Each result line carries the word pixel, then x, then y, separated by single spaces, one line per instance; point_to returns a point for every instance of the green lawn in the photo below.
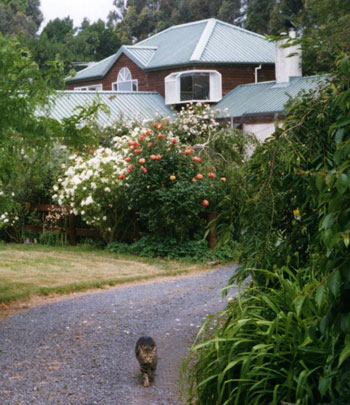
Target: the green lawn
pixel 27 270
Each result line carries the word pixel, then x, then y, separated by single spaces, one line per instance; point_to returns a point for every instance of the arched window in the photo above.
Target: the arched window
pixel 124 81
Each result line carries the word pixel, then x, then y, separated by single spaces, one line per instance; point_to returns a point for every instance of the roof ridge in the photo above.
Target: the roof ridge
pixel 241 29
pixel 105 92
pixel 174 27
pixel 141 46
pixel 254 84
pixel 204 39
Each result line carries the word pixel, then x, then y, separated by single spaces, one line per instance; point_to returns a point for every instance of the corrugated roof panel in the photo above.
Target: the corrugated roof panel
pixel 264 97
pixel 230 44
pixel 98 70
pixel 143 54
pixel 175 45
pixel 130 105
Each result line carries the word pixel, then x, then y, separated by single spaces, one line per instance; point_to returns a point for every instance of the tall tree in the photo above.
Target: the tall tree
pixel 258 16
pixel 95 41
pixel 325 33
pixel 20 17
pixel 60 39
pixel 231 11
pixel 139 19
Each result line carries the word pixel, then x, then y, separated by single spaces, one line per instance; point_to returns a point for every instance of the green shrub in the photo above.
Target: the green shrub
pixel 52 238
pixel 167 247
pixel 287 338
pixel 268 346
pixel 170 187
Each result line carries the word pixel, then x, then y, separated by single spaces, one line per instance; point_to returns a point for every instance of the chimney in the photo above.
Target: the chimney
pixel 285 66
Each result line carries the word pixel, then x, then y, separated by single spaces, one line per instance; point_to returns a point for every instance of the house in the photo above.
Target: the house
pixel 211 61
pixel 258 107
pixel 198 61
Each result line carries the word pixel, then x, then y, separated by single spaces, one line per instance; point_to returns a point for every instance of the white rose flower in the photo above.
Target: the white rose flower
pixel 89 200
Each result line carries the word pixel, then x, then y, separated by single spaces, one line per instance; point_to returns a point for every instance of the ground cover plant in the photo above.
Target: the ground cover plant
pixel 287 337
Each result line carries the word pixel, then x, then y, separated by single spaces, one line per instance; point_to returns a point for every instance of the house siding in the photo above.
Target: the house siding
pixel 232 75
pixel 111 76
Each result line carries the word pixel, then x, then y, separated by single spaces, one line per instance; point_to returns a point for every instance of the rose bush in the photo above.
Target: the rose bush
pixel 91 188
pixel 196 122
pixel 167 183
pixel 148 172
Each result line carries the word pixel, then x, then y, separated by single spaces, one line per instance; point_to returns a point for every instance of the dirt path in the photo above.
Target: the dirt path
pixel 81 350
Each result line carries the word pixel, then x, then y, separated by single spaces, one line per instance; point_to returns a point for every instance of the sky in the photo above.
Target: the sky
pixel 75 9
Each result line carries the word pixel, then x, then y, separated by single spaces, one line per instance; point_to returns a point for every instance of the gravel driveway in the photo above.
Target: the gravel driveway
pixel 81 350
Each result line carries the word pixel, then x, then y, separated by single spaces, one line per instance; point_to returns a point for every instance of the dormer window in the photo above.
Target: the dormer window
pixel 124 81
pixel 192 86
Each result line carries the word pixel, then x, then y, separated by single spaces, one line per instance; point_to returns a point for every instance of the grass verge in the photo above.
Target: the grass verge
pixel 27 270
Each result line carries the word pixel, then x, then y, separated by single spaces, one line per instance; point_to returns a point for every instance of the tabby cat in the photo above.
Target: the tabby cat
pixel 146 354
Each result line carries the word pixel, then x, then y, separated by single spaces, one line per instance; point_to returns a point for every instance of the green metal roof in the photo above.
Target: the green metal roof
pixel 95 71
pixel 227 43
pixel 264 97
pixel 130 105
pixel 175 45
pixel 141 54
pixel 202 42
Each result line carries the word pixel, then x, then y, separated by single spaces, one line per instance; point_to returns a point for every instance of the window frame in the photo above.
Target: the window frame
pixel 134 86
pixel 88 88
pixel 172 84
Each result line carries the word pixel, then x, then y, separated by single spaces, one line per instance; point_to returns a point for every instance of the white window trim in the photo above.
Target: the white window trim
pixel 125 72
pixel 116 85
pixel 97 87
pixel 176 76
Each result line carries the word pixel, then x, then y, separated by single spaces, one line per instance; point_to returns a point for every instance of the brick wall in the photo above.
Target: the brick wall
pixel 232 76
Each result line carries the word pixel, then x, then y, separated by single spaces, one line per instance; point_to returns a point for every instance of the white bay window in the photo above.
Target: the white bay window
pixel 192 86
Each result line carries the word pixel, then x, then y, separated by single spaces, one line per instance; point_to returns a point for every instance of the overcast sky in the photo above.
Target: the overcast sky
pixel 75 9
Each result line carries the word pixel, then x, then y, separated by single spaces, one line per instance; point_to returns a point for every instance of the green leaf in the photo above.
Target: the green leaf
pixel 319 295
pixel 307 341
pixel 324 384
pixel 345 352
pixel 342 183
pixel 299 304
pixel 324 324
pixel 270 304
pixel 343 122
pixel 346 241
pixel 334 283
pixel 327 221
pixel 339 135
pixel 345 323
pixel 320 182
